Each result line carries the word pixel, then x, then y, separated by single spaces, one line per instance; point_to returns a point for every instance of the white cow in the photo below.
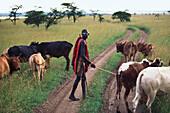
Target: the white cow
pixel 152 80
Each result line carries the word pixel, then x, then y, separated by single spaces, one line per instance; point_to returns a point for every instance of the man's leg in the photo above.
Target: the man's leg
pixel 72 97
pixel 83 84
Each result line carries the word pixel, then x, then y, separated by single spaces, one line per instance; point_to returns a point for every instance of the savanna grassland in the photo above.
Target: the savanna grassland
pixel 21 94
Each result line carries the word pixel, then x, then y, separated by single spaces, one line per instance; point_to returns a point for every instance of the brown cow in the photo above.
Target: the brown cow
pixel 8 65
pixel 146 49
pixel 128 77
pixel 128 49
pixel 37 62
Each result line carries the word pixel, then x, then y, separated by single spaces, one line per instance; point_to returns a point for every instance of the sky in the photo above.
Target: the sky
pixel 87 5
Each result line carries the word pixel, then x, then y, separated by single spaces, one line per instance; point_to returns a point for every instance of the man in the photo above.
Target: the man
pixel 80 63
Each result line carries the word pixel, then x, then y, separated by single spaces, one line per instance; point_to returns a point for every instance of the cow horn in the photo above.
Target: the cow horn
pixel 150 59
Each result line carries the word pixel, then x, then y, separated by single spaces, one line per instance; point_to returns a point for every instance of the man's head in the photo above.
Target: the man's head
pixel 85 34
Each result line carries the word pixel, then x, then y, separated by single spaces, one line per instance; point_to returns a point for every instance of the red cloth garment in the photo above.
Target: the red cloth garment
pixel 76 52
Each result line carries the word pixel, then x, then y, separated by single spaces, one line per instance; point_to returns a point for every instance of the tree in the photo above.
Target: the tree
pixel 53 17
pixel 100 17
pixel 123 16
pixel 168 11
pixel 35 17
pixel 94 13
pixel 72 11
pixel 13 14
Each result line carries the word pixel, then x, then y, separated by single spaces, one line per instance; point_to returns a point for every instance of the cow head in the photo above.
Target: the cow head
pixel 34 43
pixel 140 46
pixel 13 64
pixel 118 46
pixel 156 63
pixel 145 64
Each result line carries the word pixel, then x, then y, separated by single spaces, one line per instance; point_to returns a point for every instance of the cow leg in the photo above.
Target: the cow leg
pixel 39 73
pixel 68 62
pixel 136 101
pixel 125 99
pixel 47 61
pixel 151 97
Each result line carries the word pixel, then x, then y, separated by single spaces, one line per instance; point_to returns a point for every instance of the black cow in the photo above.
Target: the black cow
pixel 23 52
pixel 54 49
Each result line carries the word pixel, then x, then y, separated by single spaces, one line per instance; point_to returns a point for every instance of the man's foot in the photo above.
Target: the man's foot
pixel 73 98
pixel 84 97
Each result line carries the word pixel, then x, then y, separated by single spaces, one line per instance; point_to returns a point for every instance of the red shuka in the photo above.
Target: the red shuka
pixel 76 52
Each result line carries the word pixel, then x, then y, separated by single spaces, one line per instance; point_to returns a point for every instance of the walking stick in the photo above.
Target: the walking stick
pixel 106 71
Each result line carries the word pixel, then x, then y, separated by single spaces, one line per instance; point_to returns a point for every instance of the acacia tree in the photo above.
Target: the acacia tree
pixel 94 13
pixel 13 14
pixel 123 16
pixel 72 11
pixel 35 17
pixel 53 17
pixel 100 17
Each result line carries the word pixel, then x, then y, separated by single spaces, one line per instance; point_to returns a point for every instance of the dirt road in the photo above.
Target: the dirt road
pixel 110 103
pixel 58 101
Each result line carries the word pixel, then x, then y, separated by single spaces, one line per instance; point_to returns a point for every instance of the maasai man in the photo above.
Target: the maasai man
pixel 80 63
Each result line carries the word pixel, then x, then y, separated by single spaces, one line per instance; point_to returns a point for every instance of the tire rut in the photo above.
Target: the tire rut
pixel 58 101
pixel 110 102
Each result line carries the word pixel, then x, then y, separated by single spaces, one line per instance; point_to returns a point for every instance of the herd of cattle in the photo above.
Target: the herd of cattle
pixel 148 76
pixel 35 53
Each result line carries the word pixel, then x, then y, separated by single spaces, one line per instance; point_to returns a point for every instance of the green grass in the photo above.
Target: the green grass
pixel 21 93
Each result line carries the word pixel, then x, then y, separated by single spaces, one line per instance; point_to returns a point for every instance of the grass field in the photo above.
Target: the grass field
pixel 21 94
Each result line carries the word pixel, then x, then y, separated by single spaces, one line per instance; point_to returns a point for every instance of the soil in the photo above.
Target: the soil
pixel 110 102
pixel 58 101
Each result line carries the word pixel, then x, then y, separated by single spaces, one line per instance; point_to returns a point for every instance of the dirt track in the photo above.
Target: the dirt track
pixel 110 103
pixel 58 101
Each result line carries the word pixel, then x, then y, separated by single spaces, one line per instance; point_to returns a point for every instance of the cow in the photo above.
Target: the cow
pixel 127 75
pixel 37 62
pixel 22 52
pixel 151 82
pixel 8 65
pixel 54 49
pixel 146 49
pixel 128 49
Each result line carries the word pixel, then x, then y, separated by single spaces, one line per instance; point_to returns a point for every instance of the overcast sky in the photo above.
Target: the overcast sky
pixel 102 5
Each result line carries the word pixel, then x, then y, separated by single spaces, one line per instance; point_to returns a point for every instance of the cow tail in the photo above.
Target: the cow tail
pixel 119 83
pixel 138 84
pixel 36 62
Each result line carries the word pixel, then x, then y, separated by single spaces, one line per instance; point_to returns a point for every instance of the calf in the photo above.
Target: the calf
pixel 128 74
pixel 23 52
pixel 128 49
pixel 146 49
pixel 54 49
pixel 8 65
pixel 37 62
pixel 152 82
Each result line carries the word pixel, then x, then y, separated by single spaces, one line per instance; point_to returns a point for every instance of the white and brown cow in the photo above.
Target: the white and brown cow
pixel 8 65
pixel 127 75
pixel 37 63
pixel 152 81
